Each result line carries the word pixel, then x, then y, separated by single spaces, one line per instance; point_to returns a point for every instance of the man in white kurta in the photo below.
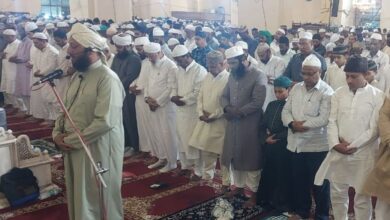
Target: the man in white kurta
pixel 284 50
pixel 189 78
pixel 273 67
pixel 335 75
pixel 44 60
pixel 137 88
pixel 209 133
pixel 9 68
pixel 190 37
pixel 353 140
pixel 162 118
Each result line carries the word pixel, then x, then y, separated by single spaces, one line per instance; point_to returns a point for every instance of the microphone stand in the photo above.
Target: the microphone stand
pixel 99 170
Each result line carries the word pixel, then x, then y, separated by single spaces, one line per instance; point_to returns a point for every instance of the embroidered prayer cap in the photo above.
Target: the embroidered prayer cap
pixel 10 32
pixel 122 39
pixel 152 48
pixel 179 50
pixel 376 36
pixel 356 64
pixel 39 35
pixel 140 41
pixel 283 82
pixel 242 44
pixel 372 65
pixel 30 26
pixel 157 32
pixel 173 41
pixel 87 37
pixel 234 51
pixel 340 50
pixel 312 60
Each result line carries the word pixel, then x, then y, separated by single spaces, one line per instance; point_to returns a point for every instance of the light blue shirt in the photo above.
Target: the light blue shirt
pixel 313 107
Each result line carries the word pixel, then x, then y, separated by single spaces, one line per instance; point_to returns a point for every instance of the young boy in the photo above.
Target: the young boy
pixel 335 75
pixel 274 189
pixel 371 73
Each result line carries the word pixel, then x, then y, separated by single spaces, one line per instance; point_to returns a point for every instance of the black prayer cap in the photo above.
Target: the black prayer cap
pixel 356 64
pixel 316 37
pixel 372 66
pixel 340 49
pixel 284 40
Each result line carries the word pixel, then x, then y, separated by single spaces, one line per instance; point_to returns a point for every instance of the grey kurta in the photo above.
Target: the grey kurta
pixel 242 145
pixel 94 100
pixel 128 69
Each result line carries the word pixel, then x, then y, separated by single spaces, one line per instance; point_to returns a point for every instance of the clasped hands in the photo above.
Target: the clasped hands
pixel 205 117
pixel 297 126
pixel 59 141
pixel 152 103
pixel 343 148
pixel 134 90
pixel 177 101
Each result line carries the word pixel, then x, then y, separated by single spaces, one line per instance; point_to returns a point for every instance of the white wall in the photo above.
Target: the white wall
pixel 31 6
pixel 385 14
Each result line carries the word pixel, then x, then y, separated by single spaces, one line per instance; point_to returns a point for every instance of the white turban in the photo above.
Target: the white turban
pixel 9 32
pixel 62 24
pixel 234 52
pixel 128 26
pixel 122 39
pixel 111 31
pixel 173 41
pixel 86 37
pixel 242 44
pixel 140 41
pixel 376 36
pixel 166 26
pixel 40 35
pixel 130 32
pixel 30 26
pixel 300 30
pixel 152 48
pixel 306 35
pixel 190 27
pixel 157 32
pixel 207 30
pixel 312 60
pixel 282 31
pixel 179 50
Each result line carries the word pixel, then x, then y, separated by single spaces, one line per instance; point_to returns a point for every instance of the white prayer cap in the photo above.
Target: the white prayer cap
pixel 262 47
pixel 140 41
pixel 95 27
pixel 152 48
pixel 364 31
pixel 111 31
pixel 353 30
pixel 173 41
pixel 50 26
pixel 128 26
pixel 30 26
pixel 376 36
pixel 114 25
pixel 329 46
pixel 190 27
pixel 62 24
pixel 130 32
pixel 312 60
pixel 40 35
pixel 72 20
pixel 341 29
pixel 9 32
pixel 295 40
pixel 179 50
pixel 122 39
pixel 40 23
pixel 86 37
pixel 242 44
pixel 328 34
pixel 300 30
pixel 149 25
pixel 375 30
pixel 234 51
pixel 321 30
pixel 218 33
pixel 157 32
pixel 174 31
pixel 207 30
pixel 166 26
pixel 282 31
pixel 334 38
pixel 306 35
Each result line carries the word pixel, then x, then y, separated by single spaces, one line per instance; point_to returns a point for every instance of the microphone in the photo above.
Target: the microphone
pixel 53 75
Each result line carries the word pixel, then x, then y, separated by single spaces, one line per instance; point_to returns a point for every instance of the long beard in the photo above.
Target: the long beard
pixel 123 54
pixel 239 72
pixel 82 63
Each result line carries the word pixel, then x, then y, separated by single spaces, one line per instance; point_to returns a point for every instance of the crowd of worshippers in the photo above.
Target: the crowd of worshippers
pixel 289 116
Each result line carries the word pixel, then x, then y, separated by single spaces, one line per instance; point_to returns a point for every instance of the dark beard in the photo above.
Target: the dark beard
pixel 142 56
pixel 123 54
pixel 82 63
pixel 239 72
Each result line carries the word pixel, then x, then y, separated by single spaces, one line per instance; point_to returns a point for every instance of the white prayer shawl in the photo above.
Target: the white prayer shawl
pixel 160 81
pixel 354 118
pixel 190 44
pixel 188 85
pixel 273 69
pixel 210 136
pixel 42 98
pixel 335 77
pixel 9 69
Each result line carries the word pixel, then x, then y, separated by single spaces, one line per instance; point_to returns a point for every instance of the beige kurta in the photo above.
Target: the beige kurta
pixel 94 100
pixel 210 136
